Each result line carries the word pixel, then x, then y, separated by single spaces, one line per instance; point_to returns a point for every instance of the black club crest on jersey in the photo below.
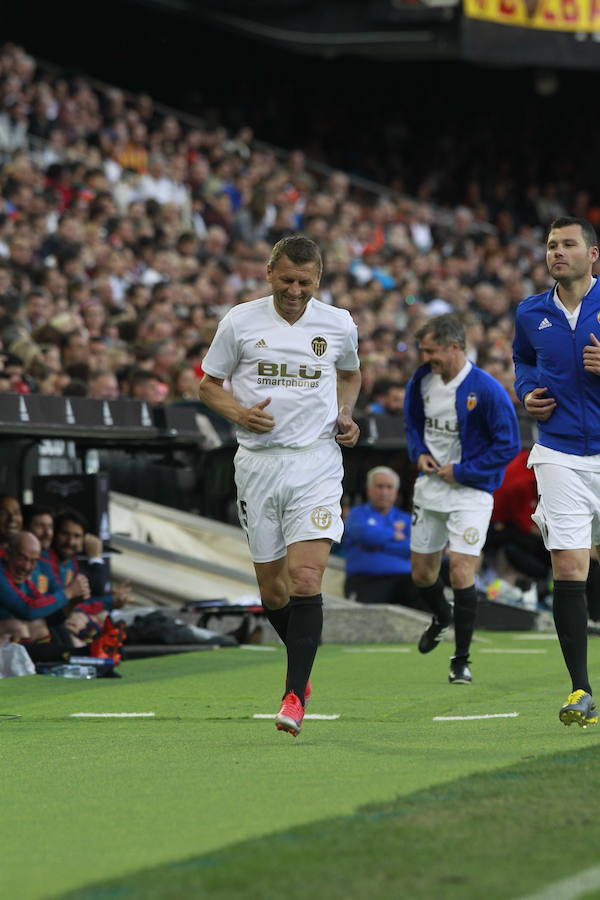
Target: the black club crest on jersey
pixel 319 346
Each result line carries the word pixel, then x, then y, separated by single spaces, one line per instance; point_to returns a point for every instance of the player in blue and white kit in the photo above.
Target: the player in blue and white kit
pixel 556 351
pixel 462 432
pixel 293 365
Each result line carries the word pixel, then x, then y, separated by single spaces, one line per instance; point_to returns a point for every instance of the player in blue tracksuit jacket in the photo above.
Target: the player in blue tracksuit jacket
pixel 462 432
pixel 556 351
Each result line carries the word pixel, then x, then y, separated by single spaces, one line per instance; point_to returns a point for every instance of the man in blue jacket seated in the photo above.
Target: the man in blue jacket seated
pixel 556 351
pixel 377 544
pixel 31 599
pixel 462 432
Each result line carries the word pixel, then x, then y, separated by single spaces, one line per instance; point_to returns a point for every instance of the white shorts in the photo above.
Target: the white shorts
pixel 285 496
pixel 464 530
pixel 568 510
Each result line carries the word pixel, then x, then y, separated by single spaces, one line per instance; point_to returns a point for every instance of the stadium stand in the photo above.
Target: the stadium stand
pixel 128 229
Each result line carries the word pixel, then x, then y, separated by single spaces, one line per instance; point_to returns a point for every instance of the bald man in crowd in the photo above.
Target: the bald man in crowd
pixel 24 606
pixel 34 608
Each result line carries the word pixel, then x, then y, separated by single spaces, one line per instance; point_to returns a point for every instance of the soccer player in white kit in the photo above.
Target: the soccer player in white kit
pixel 462 432
pixel 293 365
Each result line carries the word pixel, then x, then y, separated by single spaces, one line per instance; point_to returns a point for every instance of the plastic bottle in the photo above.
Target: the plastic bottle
pixel 71 671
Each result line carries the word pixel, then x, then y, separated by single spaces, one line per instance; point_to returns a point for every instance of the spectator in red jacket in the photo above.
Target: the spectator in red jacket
pixel 514 545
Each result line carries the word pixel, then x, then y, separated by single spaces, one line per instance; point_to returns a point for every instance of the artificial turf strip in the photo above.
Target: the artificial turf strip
pixel 102 799
pixel 498 835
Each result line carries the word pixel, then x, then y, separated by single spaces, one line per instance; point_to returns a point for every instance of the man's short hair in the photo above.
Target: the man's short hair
pixel 444 330
pixel 31 510
pixel 298 249
pixel 69 515
pixel 142 376
pixel 383 470
pixel 588 231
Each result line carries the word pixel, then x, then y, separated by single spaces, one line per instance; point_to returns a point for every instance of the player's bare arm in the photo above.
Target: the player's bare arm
pixel 591 355
pixel 348 387
pixel 538 406
pixel 213 394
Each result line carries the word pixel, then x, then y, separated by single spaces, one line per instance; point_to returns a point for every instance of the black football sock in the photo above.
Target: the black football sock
pixel 434 599
pixel 279 619
pixel 465 611
pixel 303 638
pixel 571 620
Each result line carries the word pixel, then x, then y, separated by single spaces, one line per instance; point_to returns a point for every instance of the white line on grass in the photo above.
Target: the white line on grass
pixel 258 647
pixel 467 718
pixel 541 636
pixel 110 715
pixel 307 716
pixel 511 650
pixel 569 888
pixel 376 650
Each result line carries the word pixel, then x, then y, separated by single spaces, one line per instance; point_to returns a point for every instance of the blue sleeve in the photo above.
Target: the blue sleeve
pixel 503 445
pixel 525 361
pixel 39 608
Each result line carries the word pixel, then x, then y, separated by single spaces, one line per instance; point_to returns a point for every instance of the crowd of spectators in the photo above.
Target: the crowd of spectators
pixel 127 232
pixel 56 590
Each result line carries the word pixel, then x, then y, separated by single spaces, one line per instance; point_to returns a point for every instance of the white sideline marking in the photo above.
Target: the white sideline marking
pixel 511 650
pixel 542 636
pixel 376 650
pixel 258 647
pixel 569 888
pixel 307 716
pixel 466 718
pixel 110 715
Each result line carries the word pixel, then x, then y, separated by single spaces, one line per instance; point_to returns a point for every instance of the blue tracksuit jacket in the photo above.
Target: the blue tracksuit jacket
pixel 487 426
pixel 369 542
pixel 547 353
pixel 36 598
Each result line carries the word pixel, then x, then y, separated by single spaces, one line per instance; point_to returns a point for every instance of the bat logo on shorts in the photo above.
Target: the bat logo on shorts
pixel 321 517
pixel 319 346
pixel 471 401
pixel 471 535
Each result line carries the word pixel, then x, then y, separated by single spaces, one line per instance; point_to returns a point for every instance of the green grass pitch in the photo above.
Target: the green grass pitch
pixel 409 793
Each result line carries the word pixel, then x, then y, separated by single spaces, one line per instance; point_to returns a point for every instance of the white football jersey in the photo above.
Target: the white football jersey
pixel 443 442
pixel 296 365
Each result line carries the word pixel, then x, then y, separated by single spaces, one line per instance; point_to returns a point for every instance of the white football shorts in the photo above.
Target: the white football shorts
pixel 568 510
pixel 285 496
pixel 464 530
